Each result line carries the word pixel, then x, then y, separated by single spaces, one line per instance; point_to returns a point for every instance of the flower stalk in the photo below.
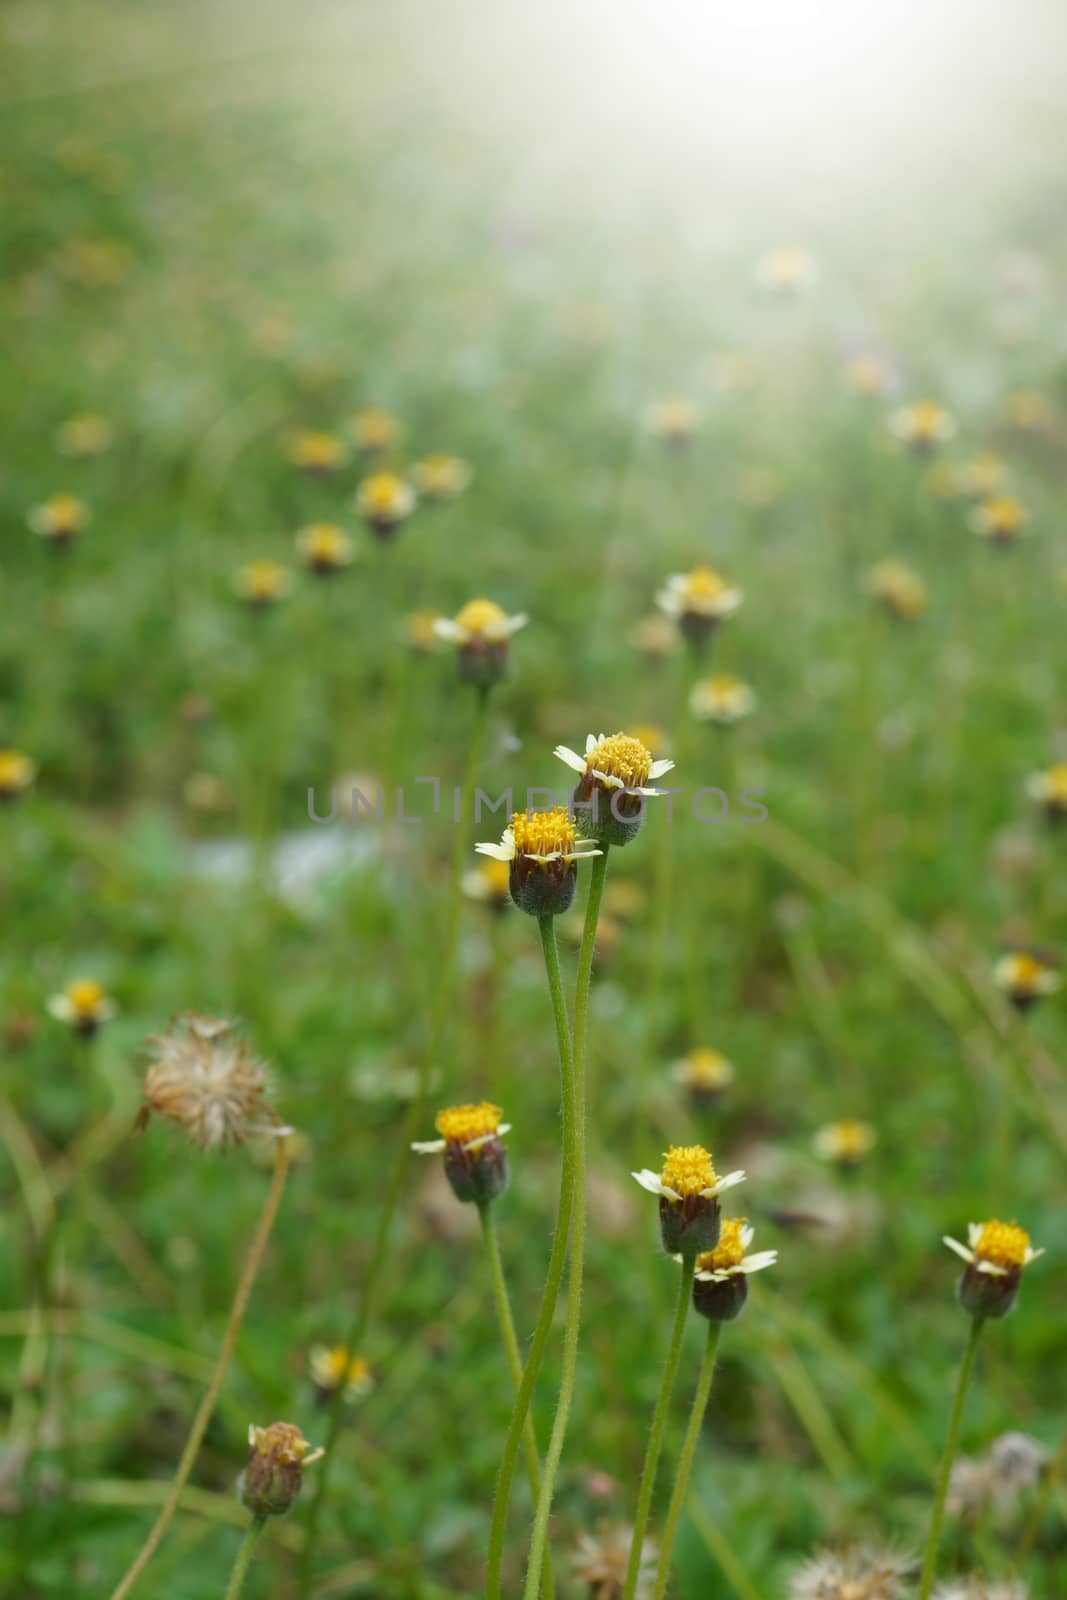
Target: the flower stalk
pixel 685 1464
pixel 222 1361
pixel 244 1557
pixel 659 1422
pixel 951 1445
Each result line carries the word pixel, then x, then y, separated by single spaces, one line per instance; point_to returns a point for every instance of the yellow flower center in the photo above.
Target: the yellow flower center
pixel 730 1250
pixel 280 1442
pixel 1026 971
pixel 325 542
pixel 706 1069
pixel 925 419
pixel 16 770
pixel 478 616
pixel 461 1124
pixel 382 491
pixel 1003 1243
pixel 703 584
pixel 331 1368
pixel 262 580
pixel 543 833
pixel 1055 782
pixel 85 995
pixel 850 1140
pixel 624 757
pixel 317 449
pixel 687 1169
pixel 63 511
pixel 1004 514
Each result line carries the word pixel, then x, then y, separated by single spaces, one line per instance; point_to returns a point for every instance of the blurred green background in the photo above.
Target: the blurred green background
pixel 518 231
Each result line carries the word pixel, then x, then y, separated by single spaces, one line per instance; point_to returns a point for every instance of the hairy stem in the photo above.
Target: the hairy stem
pixel 685 1463
pixel 244 1557
pixel 556 1262
pixel 951 1443
pixel 659 1423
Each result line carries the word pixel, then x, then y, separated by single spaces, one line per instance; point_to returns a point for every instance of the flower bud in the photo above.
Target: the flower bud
pixel 981 1294
pixel 476 1163
pixel 722 1299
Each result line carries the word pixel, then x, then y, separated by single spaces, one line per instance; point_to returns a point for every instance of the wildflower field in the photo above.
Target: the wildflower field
pixel 533 657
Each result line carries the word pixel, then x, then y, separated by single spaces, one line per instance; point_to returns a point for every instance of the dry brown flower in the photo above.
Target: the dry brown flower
pixel 209 1081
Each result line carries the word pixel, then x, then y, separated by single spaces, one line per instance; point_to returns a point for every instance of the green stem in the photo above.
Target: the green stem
pixel 539 1537
pixel 662 882
pixel 685 1464
pixel 659 1423
pixel 357 1329
pixel 222 1362
pixel 511 1348
pixel 244 1557
pixel 556 1262
pixel 951 1442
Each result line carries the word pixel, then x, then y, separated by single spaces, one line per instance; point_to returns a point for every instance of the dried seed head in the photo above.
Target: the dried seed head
pixel 600 1561
pixel 857 1574
pixel 208 1081
pixel 277 1456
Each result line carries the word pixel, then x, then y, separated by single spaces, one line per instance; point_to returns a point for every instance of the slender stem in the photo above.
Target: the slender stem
pixel 951 1442
pixel 572 1328
pixel 659 1422
pixel 556 1262
pixel 222 1362
pixel 685 1463
pixel 662 881
pixel 511 1347
pixel 357 1328
pixel 244 1557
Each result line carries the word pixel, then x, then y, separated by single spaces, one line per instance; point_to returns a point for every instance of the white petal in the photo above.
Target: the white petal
pixel 991 1269
pixel 519 620
pixel 757 1262
pixel 1032 1255
pixel 960 1249
pixel 607 780
pixel 650 1181
pixel 659 768
pixel 504 851
pixel 728 1182
pixel 974 1233
pixel 747 1235
pixel 445 628
pixel 592 740
pixel 60 1008
pixel 428 1147
pixel 571 757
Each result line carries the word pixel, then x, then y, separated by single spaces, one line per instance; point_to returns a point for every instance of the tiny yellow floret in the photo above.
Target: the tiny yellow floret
pixel 730 1250
pixel 481 616
pixel 544 833
pixel 622 756
pixel 85 996
pixel 687 1169
pixel 1005 1244
pixel 461 1124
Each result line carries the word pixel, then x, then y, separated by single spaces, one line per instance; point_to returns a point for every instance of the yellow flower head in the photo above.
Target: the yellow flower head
pixel 441 477
pixel 544 833
pixel 673 420
pixel 482 618
pixel 1025 976
pixel 1005 1244
pixel 333 1369
pixel 60 517
pixel 83 1005
pixel 922 425
pixel 688 1170
pixel 385 500
pixel 374 429
pixel 846 1141
pixel 262 583
pixel 704 1071
pixel 698 600
pixel 787 269
pixel 313 451
pixel 722 698
pixel 1001 518
pixel 1048 788
pixel 463 1124
pixel 324 546
pixel 730 1250
pixel 898 588
pixel 623 757
pixel 88 435
pixel 17 773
